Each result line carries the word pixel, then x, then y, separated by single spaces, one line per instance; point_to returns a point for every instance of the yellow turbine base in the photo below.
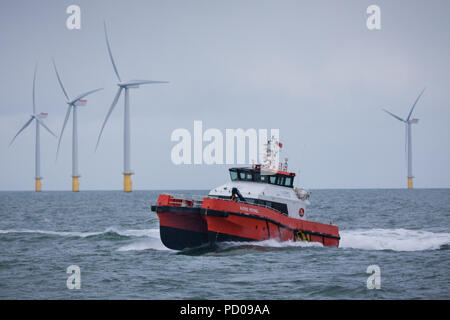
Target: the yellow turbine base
pixel 410 183
pixel 75 184
pixel 127 186
pixel 38 186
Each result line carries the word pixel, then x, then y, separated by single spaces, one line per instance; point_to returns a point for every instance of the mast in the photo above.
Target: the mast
pixel 410 175
pixel 75 175
pixel 127 187
pixel 37 159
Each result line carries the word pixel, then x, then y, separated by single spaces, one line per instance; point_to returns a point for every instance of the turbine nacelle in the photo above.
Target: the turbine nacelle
pixel 79 99
pixel 136 83
pixel 77 103
pixel 38 118
pixel 128 86
pixel 80 103
pixel 42 115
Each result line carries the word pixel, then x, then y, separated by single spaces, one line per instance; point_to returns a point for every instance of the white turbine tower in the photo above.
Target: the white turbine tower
pixel 123 85
pixel 73 104
pixel 39 122
pixel 408 143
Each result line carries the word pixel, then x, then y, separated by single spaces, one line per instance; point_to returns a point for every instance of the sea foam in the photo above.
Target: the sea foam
pixel 126 233
pixel 393 239
pixel 363 239
pixel 370 239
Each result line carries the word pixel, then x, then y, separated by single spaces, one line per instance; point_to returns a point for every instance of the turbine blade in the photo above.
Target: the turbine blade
pixel 396 117
pixel 43 124
pixel 116 98
pixel 110 54
pixel 410 113
pixel 139 82
pixel 69 109
pixel 59 80
pixel 34 88
pixel 81 96
pixel 21 129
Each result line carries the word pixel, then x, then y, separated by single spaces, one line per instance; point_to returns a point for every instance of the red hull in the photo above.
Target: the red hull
pixel 184 225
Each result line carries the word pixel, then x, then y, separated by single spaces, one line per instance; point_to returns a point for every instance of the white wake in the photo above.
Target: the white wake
pixel 363 239
pixel 393 239
pixel 370 239
pixel 152 241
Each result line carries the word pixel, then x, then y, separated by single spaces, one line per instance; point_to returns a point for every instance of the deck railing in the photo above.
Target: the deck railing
pixel 182 200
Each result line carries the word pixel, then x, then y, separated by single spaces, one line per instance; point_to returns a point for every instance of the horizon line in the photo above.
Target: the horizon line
pixel 208 189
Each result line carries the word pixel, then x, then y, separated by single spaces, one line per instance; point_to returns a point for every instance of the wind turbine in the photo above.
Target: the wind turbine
pixel 73 104
pixel 123 86
pixel 39 122
pixel 408 144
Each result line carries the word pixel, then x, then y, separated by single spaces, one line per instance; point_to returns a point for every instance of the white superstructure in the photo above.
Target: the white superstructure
pixel 269 184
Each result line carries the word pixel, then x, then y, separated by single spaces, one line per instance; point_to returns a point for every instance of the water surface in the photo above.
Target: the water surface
pixel 114 238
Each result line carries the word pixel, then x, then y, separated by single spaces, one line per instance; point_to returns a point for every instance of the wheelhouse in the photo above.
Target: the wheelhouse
pixel 280 178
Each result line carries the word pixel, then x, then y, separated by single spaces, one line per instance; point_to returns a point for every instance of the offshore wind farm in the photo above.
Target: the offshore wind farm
pixel 79 100
pixel 73 104
pixel 122 52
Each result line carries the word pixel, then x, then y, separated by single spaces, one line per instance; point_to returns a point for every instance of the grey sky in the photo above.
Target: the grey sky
pixel 310 68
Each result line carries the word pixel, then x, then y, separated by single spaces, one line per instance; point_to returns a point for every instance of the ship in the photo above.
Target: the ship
pixel 258 203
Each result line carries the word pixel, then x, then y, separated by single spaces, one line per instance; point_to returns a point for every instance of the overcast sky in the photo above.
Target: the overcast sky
pixel 309 68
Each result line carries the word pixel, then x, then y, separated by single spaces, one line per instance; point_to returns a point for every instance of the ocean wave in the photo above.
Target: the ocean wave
pixel 362 239
pixel 154 244
pixel 107 231
pixel 151 236
pixel 272 243
pixel 370 239
pixel 393 239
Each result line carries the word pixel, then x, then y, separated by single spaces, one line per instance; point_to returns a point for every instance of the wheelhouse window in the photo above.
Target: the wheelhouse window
pixel 244 174
pixel 288 182
pixel 233 175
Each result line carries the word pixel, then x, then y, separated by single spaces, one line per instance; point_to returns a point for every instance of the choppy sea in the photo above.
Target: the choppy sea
pixel 113 237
